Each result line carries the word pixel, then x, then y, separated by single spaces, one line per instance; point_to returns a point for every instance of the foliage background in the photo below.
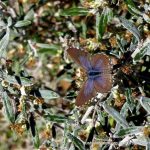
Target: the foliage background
pixel 39 82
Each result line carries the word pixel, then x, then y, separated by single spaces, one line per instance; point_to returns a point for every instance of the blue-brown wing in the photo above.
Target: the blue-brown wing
pixel 103 83
pixel 101 62
pixel 80 57
pixel 86 93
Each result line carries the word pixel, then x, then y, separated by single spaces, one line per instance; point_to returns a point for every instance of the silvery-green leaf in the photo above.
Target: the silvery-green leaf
pixel 18 80
pixel 129 99
pixel 13 34
pixel 77 142
pixel 84 29
pixel 120 44
pixel 130 131
pixel 36 139
pixel 123 112
pixel 2 24
pixel 29 15
pixel 9 21
pixel 89 110
pixel 116 115
pixel 140 52
pixel 101 117
pixel 140 141
pixel 148 143
pixel 55 118
pixel 145 102
pixel 116 53
pixel 134 10
pixel 48 94
pixel 48 48
pixel 125 141
pixel 22 23
pixel 146 18
pixel 130 2
pixel 131 27
pixel 4 42
pixel 102 20
pixel 77 11
pixel 1 88
pixel 10 112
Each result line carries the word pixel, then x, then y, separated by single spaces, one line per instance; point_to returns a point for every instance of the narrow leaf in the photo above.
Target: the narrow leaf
pixel 148 143
pixel 2 24
pixel 4 42
pixel 130 131
pixel 48 94
pixel 48 48
pixel 139 53
pixel 9 21
pixel 129 100
pixel 22 23
pixel 1 88
pixel 55 118
pixel 120 44
pixel 132 8
pixel 145 102
pixel 18 80
pixel 8 107
pixel 36 139
pixel 102 21
pixel 77 142
pixel 131 27
pixel 140 141
pixel 29 15
pixel 123 112
pixel 146 18
pixel 129 2
pixel 78 11
pixel 118 117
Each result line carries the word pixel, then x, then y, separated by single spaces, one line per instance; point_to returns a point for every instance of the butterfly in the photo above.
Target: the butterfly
pixel 98 70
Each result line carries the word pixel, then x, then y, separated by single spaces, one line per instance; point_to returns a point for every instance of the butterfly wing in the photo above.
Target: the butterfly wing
pixel 101 62
pixel 80 57
pixel 103 83
pixel 86 93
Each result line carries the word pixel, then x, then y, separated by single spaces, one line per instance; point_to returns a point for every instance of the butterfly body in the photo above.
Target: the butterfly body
pixel 98 71
pixel 93 73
